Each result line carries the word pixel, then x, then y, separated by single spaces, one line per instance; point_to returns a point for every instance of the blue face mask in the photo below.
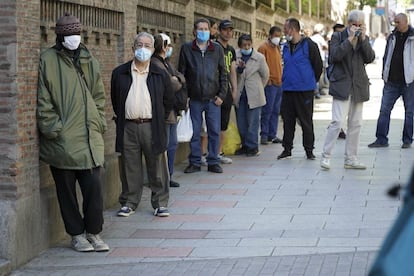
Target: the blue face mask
pixel 203 36
pixel 247 52
pixel 169 52
pixel 143 54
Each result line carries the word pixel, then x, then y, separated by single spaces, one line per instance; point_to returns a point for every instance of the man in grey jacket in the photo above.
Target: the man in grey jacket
pixel 398 75
pixel 349 51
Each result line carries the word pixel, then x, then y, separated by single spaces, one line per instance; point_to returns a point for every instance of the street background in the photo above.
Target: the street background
pixel 262 216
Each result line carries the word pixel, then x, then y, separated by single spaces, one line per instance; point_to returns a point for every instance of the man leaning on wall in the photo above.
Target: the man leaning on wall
pixel 71 121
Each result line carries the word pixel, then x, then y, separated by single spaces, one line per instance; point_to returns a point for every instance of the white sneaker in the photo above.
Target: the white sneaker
pixel 98 244
pixel 81 244
pixel 224 159
pixel 325 163
pixel 354 164
pixel 204 160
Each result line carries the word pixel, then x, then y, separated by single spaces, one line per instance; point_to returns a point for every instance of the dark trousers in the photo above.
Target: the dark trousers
pixel 138 143
pixel 298 106
pixel 92 206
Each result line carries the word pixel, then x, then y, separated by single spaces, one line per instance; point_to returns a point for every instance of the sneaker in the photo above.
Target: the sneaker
pixel 277 140
pixel 406 146
pixel 310 155
pixel 192 168
pixel 204 159
pixel 174 184
pixel 80 243
pixel 355 164
pixel 161 212
pixel 224 159
pixel 98 244
pixel 252 152
pixel 377 144
pixel 241 151
pixel 264 141
pixel 284 155
pixel 325 163
pixel 125 211
pixel 215 168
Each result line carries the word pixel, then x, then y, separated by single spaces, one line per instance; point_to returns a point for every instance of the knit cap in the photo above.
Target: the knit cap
pixel 68 25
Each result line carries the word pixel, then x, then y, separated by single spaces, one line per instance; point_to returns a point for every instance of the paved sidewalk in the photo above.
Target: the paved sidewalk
pixel 262 216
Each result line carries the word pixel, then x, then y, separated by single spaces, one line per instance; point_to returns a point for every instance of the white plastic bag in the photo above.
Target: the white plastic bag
pixel 184 127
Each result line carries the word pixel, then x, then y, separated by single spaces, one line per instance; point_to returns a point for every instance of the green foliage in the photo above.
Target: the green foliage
pixel 371 3
pixel 282 4
pixel 352 5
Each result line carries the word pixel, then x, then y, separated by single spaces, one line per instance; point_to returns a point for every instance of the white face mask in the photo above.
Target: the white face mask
pixel 71 42
pixel 275 40
pixel 143 54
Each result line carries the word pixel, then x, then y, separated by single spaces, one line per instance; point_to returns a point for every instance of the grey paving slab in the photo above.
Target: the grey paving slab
pixel 232 252
pixel 231 234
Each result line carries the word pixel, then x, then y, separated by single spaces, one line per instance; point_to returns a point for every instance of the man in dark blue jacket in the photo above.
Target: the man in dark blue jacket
pixel 202 63
pixel 302 69
pixel 142 98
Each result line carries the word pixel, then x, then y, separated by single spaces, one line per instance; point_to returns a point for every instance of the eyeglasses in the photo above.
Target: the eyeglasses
pixel 357 25
pixel 143 45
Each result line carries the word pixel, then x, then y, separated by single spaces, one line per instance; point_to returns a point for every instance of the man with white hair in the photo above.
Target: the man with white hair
pixel 142 99
pixel 349 51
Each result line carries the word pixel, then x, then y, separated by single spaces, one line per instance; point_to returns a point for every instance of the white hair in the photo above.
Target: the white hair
pixel 356 16
pixel 318 28
pixel 146 35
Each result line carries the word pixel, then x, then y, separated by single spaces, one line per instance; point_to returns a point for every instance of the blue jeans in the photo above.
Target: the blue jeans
pixel 270 112
pixel 172 145
pixel 212 115
pixel 391 93
pixel 248 124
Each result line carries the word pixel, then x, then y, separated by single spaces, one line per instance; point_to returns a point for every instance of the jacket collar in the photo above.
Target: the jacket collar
pixel 410 31
pixel 153 68
pixel 210 46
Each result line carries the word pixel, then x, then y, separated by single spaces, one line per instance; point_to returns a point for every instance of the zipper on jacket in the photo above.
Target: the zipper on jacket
pixel 203 63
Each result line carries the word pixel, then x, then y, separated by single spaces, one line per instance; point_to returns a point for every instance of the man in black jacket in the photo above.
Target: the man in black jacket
pixel 142 98
pixel 202 63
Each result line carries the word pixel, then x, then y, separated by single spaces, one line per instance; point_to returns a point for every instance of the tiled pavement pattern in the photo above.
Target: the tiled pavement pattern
pixel 262 216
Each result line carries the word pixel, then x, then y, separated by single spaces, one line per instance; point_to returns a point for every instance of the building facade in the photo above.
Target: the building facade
pixel 30 217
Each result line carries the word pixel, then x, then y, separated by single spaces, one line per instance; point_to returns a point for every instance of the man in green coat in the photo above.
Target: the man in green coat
pixel 71 121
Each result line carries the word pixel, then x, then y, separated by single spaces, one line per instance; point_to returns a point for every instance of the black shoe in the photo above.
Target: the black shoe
pixel 377 144
pixel 342 134
pixel 406 146
pixel 252 152
pixel 264 141
pixel 215 168
pixel 310 155
pixel 276 140
pixel 241 151
pixel 285 154
pixel 174 184
pixel 192 168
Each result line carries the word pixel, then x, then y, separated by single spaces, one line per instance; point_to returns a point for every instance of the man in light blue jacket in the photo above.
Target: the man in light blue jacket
pixel 398 75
